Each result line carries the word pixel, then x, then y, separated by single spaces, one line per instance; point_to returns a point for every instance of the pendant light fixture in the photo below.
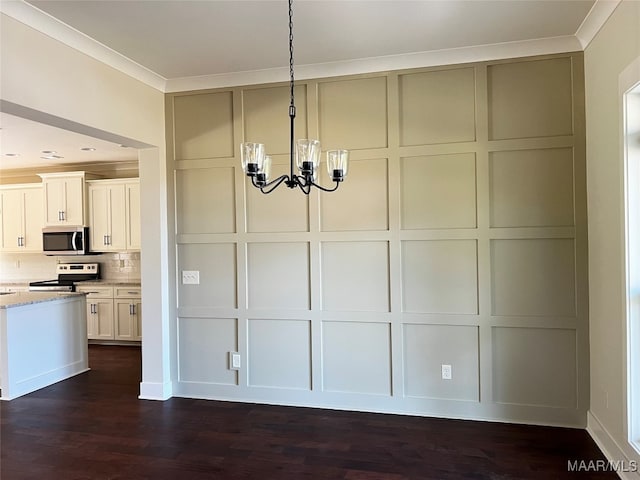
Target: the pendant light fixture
pixel 306 152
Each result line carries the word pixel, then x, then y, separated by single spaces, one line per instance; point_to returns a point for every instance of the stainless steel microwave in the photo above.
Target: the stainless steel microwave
pixel 65 240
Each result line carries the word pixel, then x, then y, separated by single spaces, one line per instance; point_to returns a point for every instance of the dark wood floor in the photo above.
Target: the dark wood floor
pixel 94 427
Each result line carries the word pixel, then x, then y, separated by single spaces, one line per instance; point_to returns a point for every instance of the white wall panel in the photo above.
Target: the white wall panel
pixel 437 107
pixel 438 191
pixel 205 200
pixel 355 276
pixel 203 126
pixel 440 276
pixel 531 98
pixel 216 264
pixel 203 346
pixel 533 277
pixel 353 113
pixel 347 209
pixel 356 357
pixel 535 366
pixel 531 188
pixel 280 353
pixel 427 348
pixel 278 275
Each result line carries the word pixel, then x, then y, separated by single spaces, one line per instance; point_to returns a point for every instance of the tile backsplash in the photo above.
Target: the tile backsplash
pixel 28 267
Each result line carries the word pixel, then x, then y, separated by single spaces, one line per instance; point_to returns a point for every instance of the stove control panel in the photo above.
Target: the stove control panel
pixel 73 268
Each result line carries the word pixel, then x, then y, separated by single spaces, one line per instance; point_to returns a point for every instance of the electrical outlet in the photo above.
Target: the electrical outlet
pixel 446 372
pixel 190 277
pixel 234 361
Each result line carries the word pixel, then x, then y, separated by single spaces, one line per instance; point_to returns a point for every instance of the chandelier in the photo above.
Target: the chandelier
pixel 256 164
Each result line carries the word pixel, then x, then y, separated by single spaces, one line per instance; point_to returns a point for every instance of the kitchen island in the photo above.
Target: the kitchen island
pixel 43 339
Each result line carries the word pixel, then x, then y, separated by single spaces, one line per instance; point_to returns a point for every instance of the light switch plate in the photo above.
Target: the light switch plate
pixel 190 277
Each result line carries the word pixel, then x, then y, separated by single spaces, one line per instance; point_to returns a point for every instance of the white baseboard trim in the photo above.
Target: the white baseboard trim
pixel 611 449
pixel 155 391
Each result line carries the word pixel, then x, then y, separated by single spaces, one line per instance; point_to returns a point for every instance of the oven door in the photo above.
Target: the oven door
pixel 65 240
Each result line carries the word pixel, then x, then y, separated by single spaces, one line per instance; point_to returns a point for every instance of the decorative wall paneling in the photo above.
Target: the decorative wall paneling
pixel 458 238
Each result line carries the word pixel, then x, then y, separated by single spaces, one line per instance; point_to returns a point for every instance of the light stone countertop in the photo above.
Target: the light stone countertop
pixel 19 299
pixel 110 283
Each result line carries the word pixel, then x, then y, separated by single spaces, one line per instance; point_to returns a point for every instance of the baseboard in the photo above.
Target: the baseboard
pixel 628 469
pixel 155 391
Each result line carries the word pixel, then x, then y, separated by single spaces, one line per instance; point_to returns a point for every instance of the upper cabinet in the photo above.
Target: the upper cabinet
pixel 64 198
pixel 21 218
pixel 114 215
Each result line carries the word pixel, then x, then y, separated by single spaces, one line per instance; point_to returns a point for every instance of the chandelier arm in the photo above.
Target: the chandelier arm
pixel 275 183
pixel 304 185
pixel 324 189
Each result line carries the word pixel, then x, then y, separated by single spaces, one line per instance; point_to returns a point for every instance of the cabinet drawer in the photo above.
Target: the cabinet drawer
pixel 96 292
pixel 128 292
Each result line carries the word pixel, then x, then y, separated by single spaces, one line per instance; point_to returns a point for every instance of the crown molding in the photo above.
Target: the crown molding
pixel 595 19
pixel 433 58
pixel 44 23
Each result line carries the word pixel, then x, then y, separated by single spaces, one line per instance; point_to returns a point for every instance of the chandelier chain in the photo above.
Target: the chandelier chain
pixel 291 52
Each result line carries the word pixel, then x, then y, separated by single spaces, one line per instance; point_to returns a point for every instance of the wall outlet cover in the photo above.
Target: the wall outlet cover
pixel 446 372
pixel 234 361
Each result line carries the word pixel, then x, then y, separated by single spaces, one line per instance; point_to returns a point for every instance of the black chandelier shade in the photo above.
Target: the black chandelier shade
pixel 305 153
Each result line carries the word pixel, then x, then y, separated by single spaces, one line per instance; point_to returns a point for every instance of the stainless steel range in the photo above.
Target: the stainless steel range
pixel 68 273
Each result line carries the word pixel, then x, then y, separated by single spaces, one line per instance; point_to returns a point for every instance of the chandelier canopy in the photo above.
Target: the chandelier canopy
pixel 305 153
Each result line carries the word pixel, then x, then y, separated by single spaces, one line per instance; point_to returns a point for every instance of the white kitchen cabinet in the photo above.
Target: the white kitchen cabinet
pixel 21 218
pixel 100 319
pixel 114 215
pixel 99 311
pixel 128 313
pixel 113 313
pixel 64 198
pixel 106 217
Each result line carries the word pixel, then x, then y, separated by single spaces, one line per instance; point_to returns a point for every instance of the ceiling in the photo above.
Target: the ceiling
pixel 26 144
pixel 182 44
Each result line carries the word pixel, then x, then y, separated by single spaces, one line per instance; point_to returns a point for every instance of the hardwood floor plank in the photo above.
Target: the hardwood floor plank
pixel 93 426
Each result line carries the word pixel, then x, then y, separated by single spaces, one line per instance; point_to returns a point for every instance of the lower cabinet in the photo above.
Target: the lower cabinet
pixel 100 319
pixel 113 313
pixel 128 314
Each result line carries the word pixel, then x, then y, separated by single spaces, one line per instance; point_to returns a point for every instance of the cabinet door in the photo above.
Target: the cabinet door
pixel 125 319
pixel 117 212
pixel 33 220
pixel 54 200
pixel 12 213
pixel 133 216
pixel 99 217
pixel 137 321
pixel 74 201
pixel 99 319
pixel 107 218
pixel 64 201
